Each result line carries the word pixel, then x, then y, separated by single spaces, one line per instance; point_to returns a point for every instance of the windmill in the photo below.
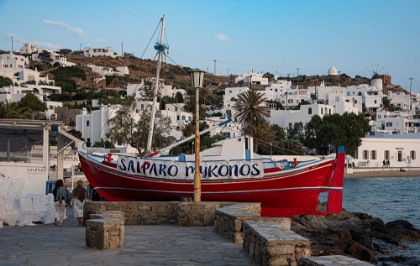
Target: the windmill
pixel 376 70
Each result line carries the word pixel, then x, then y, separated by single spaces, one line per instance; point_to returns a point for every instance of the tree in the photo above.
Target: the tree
pixel 104 144
pixel 312 131
pixel 336 130
pixel 296 133
pixel 13 110
pixel 4 81
pixel 45 56
pixel 65 51
pixel 179 98
pixel 250 108
pixel 33 103
pixel 147 92
pixel 261 133
pixel 130 126
pixel 269 76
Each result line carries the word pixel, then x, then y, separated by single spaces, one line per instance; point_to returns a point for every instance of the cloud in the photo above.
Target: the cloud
pixel 78 31
pixel 15 38
pixel 221 37
pixel 100 40
pixel 46 45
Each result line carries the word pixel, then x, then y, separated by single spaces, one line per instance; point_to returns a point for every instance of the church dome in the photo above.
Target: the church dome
pixel 333 71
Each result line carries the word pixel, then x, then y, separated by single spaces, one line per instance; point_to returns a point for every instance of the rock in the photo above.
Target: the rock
pixel 360 252
pixel 403 230
pixel 356 234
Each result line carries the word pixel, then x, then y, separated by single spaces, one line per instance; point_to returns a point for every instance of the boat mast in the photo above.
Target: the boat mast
pixel 160 47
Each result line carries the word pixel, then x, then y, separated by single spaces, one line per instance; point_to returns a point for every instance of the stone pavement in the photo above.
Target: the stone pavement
pixel 46 244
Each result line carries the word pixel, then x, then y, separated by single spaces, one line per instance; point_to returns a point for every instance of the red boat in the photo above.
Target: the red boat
pixel 229 171
pixel 282 191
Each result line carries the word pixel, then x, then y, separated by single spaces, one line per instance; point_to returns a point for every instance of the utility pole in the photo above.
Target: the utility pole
pixel 215 67
pixel 297 72
pixel 12 43
pixel 122 49
pixel 411 83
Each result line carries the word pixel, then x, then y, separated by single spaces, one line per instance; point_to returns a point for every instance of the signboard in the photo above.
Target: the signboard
pixel 185 170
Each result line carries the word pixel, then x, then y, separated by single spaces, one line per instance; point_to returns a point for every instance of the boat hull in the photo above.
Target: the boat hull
pixel 281 194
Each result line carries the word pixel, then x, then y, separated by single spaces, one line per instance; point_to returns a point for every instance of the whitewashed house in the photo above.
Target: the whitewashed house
pixel 13 61
pixel 55 57
pixel 136 89
pixel 253 78
pixel 107 51
pixel 28 48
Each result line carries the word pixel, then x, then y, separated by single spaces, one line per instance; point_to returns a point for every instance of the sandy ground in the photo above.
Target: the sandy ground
pixel 385 173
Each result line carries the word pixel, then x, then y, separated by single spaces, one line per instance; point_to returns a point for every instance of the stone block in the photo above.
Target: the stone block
pixel 105 233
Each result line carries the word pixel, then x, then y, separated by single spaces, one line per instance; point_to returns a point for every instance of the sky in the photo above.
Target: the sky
pixel 358 37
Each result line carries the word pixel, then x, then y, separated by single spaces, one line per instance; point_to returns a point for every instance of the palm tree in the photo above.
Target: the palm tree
pixel 250 108
pixel 252 112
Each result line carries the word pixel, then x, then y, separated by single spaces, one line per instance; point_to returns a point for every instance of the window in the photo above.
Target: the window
pixel 88 140
pixel 389 124
pixel 365 155
pixel 373 155
pixel 290 101
pixel 310 111
pixel 337 99
pixel 87 124
pixel 379 116
pixel 322 111
pixel 375 101
pixel 183 117
pixel 360 94
pixel 290 125
pixel 177 117
pixel 386 155
pixel 400 158
pixel 190 118
pixel 329 111
pixel 413 155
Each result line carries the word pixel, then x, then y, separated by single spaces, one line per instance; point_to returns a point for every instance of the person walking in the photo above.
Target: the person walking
pixel 79 197
pixel 60 195
pixel 387 162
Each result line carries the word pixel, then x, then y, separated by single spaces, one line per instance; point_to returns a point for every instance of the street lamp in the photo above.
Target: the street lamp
pixel 271 148
pixel 197 77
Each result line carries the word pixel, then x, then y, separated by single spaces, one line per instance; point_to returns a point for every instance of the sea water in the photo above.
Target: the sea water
pixel 387 198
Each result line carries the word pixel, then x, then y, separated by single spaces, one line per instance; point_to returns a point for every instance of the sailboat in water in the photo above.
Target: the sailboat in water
pixel 229 171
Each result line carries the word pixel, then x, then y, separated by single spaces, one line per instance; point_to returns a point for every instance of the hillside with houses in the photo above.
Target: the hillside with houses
pixel 78 86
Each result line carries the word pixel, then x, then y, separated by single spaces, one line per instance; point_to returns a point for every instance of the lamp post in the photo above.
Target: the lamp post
pixel 197 77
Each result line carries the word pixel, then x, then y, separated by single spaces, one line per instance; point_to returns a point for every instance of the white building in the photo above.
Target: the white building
pixel 55 57
pixel 400 149
pixel 13 61
pixel 332 71
pixel 399 99
pixel 15 93
pixel 101 70
pixel 253 78
pixel 230 97
pixel 230 130
pixel 94 125
pixel 287 118
pixel 29 48
pixel 136 89
pixel 107 51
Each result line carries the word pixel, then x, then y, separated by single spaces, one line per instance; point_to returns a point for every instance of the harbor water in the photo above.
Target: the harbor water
pixel 387 198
